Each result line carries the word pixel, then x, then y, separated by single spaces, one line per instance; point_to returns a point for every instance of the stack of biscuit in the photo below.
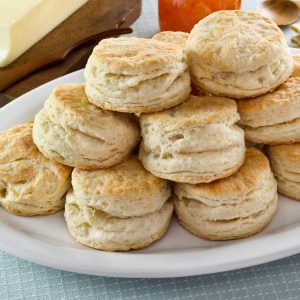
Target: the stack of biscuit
pixel 119 195
pixel 223 190
pixel 120 208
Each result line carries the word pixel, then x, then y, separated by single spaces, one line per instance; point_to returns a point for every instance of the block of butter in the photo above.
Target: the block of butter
pixel 25 22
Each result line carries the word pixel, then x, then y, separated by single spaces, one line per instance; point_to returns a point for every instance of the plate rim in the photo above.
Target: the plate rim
pixel 113 265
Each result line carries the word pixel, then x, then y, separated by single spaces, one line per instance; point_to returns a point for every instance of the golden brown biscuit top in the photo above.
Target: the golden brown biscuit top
pixel 16 143
pixel 255 169
pixel 199 111
pixel 71 100
pixel 126 179
pixel 20 159
pixel 273 106
pixel 235 41
pixel 174 37
pixel 289 152
pixel 136 55
pixel 68 105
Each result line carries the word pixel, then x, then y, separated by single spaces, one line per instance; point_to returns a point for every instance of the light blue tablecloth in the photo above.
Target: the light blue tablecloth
pixel 23 280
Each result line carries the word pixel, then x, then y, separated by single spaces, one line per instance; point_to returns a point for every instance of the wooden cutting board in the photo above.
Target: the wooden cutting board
pixel 90 19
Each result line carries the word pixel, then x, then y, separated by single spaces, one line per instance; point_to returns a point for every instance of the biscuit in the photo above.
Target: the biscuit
pixel 273 118
pixel 174 37
pixel 137 75
pixel 76 133
pixel 30 184
pixel 231 208
pixel 94 228
pixel 238 54
pixel 285 163
pixel 125 190
pixel 194 142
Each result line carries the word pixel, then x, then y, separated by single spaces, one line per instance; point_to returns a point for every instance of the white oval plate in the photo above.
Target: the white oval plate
pixel 46 241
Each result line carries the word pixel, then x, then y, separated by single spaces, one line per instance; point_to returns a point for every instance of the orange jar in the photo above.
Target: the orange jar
pixel 182 15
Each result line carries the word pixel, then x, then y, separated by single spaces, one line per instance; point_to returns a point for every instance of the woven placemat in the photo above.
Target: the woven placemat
pixel 23 280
